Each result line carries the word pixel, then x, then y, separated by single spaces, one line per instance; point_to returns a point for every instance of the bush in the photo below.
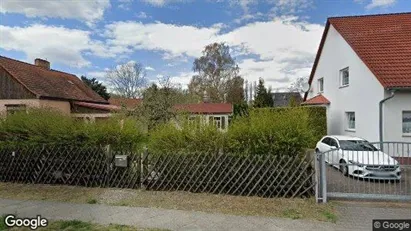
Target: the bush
pixel 42 126
pixel 267 131
pixel 185 136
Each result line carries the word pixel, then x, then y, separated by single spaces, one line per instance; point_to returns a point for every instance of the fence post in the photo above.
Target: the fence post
pixel 317 177
pixel 143 159
pixel 323 178
pixel 108 165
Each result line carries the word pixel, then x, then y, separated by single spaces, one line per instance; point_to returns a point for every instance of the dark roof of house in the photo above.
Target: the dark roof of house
pixel 48 83
pixel 283 99
pixel 126 102
pixel 206 108
pixel 382 42
pixel 317 100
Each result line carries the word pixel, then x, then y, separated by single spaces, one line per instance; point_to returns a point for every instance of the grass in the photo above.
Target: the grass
pixel 236 205
pixel 74 225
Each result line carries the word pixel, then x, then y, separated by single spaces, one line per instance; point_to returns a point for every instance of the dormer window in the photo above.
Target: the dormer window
pixel 344 77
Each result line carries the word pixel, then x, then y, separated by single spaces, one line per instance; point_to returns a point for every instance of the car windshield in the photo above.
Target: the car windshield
pixel 357 145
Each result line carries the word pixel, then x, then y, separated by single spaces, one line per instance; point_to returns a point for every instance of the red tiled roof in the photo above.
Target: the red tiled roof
pixel 49 83
pixel 98 106
pixel 383 43
pixel 206 108
pixel 128 103
pixel 317 100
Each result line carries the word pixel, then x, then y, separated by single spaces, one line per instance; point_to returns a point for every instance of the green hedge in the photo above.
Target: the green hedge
pixel 42 126
pixel 280 131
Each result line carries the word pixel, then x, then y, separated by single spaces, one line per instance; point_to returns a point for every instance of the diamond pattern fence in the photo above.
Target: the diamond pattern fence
pixel 246 175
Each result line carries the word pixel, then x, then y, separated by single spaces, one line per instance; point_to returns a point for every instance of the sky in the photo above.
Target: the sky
pixel 273 39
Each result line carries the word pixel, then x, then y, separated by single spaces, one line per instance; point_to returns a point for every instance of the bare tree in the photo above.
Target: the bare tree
pixel 128 80
pixel 298 85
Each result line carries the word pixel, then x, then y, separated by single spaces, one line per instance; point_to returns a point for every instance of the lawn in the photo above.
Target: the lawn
pixel 236 205
pixel 75 225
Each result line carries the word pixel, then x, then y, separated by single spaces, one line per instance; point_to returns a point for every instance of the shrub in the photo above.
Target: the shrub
pixel 267 131
pixel 43 126
pixel 185 136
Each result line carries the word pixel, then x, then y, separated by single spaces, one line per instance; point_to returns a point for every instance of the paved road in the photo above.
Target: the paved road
pixel 153 217
pixel 336 182
pixel 352 216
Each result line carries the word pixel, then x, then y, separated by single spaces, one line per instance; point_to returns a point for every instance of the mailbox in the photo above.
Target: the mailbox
pixel 121 161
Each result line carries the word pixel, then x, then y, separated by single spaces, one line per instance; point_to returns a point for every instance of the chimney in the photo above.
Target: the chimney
pixel 206 98
pixel 42 63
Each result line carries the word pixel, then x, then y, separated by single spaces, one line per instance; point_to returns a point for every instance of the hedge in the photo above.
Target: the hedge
pixel 43 126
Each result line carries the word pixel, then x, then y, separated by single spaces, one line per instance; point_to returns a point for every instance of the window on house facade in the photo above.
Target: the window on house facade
pixel 344 77
pixel 219 121
pixel 321 85
pixel 13 108
pixel 406 122
pixel 350 120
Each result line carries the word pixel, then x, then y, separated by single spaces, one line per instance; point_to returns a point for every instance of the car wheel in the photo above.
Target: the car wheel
pixel 344 167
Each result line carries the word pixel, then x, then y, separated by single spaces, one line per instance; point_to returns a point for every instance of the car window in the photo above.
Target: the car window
pixel 357 145
pixel 334 143
pixel 326 141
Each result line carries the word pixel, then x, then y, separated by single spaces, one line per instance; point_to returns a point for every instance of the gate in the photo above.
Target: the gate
pixel 369 171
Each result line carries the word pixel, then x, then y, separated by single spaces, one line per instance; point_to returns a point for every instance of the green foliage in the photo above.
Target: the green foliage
pixel 282 131
pixel 98 87
pixel 240 110
pixel 186 136
pixel 265 131
pixel 43 126
pixel 263 96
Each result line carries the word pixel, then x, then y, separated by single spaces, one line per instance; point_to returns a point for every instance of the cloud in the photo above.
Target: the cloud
pixel 291 6
pixel 57 44
pixel 282 48
pixel 380 3
pixel 96 74
pixel 161 3
pixel 142 15
pixel 182 78
pixel 89 11
pixel 148 68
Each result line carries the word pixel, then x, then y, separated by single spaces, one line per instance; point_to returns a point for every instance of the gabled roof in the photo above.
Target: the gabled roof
pixel 382 42
pixel 283 99
pixel 48 83
pixel 206 108
pixel 317 100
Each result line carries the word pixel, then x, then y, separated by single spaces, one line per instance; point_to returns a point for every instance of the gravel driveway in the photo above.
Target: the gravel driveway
pixel 338 183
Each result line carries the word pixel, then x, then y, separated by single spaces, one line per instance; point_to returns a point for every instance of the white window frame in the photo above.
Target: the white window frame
pixel 321 85
pixel 342 71
pixel 406 131
pixel 348 116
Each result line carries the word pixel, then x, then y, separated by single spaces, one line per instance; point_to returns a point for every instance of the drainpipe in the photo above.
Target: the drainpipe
pixel 381 117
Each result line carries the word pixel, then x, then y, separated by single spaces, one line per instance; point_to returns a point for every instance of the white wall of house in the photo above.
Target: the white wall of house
pixel 393 109
pixel 361 96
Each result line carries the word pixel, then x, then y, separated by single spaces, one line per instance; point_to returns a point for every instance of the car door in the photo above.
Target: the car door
pixel 324 147
pixel 334 154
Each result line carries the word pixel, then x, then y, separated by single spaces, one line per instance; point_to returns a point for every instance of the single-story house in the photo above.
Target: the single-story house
pixel 362 75
pixel 24 85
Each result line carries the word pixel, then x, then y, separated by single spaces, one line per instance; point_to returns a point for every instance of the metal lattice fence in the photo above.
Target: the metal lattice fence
pixel 250 175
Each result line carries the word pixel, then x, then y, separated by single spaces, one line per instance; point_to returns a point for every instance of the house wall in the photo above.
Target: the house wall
pixel 62 106
pixel 362 96
pixel 30 103
pixel 392 111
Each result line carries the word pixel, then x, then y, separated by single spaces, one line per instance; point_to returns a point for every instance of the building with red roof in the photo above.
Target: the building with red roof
pixel 24 85
pixel 362 74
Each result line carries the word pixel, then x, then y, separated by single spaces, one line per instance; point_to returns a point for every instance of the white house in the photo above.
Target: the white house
pixel 362 75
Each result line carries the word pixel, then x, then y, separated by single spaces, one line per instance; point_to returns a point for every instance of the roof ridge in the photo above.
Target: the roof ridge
pixel 369 15
pixel 34 65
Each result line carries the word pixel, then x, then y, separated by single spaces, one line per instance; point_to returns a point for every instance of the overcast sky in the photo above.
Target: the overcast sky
pixel 273 39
